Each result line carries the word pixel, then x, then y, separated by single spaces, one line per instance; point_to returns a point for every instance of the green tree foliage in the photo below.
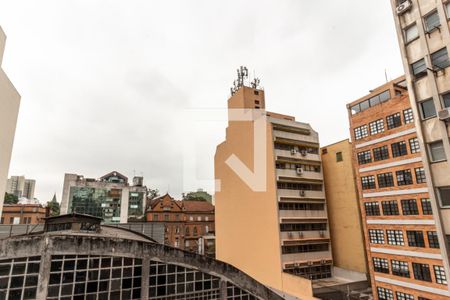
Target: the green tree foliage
pixel 54 207
pixel 11 199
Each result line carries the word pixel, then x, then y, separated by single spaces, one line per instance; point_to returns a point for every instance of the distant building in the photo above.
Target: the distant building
pixel 23 214
pixel 75 257
pixel 9 110
pixel 21 187
pixel 110 197
pixel 198 195
pixel 189 224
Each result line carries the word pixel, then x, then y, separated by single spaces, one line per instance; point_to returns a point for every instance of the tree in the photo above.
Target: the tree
pixel 11 199
pixel 53 207
pixel 199 195
pixel 152 194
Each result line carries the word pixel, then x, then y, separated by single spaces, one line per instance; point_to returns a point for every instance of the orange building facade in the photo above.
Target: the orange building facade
pixel 189 224
pixel 403 248
pixel 23 214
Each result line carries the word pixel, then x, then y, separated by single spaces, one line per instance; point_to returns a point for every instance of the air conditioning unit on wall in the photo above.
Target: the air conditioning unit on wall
pixel 444 115
pixel 404 7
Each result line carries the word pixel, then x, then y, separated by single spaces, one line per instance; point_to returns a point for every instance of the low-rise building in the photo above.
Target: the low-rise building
pixel 23 214
pixel 189 223
pixel 110 197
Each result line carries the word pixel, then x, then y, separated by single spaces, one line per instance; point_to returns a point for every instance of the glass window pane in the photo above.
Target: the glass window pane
pixel 446 100
pixel 437 151
pixel 427 108
pixel 444 195
pixel 440 59
pixel 411 33
pixel 432 21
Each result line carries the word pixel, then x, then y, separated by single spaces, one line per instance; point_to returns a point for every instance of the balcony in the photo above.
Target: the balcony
pixel 293 174
pixel 322 214
pixel 296 194
pixel 305 256
pixel 296 155
pixel 304 235
pixel 295 136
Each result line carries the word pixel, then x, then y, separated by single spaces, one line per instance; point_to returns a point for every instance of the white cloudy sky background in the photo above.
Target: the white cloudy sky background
pixel 105 84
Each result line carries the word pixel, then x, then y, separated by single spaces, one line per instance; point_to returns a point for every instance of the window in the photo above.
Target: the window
pixel 440 59
pixel 444 195
pixel 385 294
pixel 420 175
pixel 194 232
pixel 395 237
pixel 372 208
pixel 433 241
pixel 409 207
pixel 399 149
pixel 380 153
pixel 385 180
pixel 361 132
pixel 364 157
pixel 432 21
pixel 437 152
pixel 400 268
pixel 427 109
pixel 339 156
pixel 376 236
pixel 166 217
pixel 155 217
pixel 380 265
pixel 426 206
pixel 411 33
pixel 187 231
pixel 403 296
pixel 439 273
pixel 421 272
pixel 376 127
pixel 419 68
pixel 408 116
pixel 446 98
pixel 404 177
pixel 414 145
pixel 390 208
pixel 415 238
pixel 368 182
pixel 393 121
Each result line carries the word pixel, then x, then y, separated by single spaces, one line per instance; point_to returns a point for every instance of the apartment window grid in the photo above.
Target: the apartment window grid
pixel 368 182
pixel 102 276
pixel 394 121
pixel 440 59
pixel 380 153
pixel 385 180
pixel 432 21
pixel 380 265
pixel 364 157
pixel 285 227
pixel 427 109
pixel 409 207
pixel 235 293
pixel 404 296
pixel 376 126
pixel 414 145
pixel 419 68
pixel 411 33
pixel 169 281
pixel 19 277
pixel 395 237
pixel 420 175
pixel 390 208
pixel 361 132
pixel 399 149
pixel 421 272
pixel 385 294
pixel 439 274
pixel 433 241
pixel 426 206
pixel 408 116
pixel 289 249
pixel 400 268
pixel 415 238
pixel 404 177
pixel 376 236
pixel 372 208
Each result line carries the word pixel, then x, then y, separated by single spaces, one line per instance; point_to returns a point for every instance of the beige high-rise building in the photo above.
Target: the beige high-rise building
pixel 423 33
pixel 9 110
pixel 21 187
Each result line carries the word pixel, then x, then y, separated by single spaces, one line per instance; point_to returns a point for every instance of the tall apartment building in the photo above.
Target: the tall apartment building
pixel 276 230
pixel 405 246
pixel 9 103
pixel 21 187
pixel 111 197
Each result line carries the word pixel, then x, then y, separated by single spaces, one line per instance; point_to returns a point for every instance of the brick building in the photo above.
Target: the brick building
pixel 189 224
pixel 23 214
pixel 404 254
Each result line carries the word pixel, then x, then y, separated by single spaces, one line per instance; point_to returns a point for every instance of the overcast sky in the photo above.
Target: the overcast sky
pixel 105 84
